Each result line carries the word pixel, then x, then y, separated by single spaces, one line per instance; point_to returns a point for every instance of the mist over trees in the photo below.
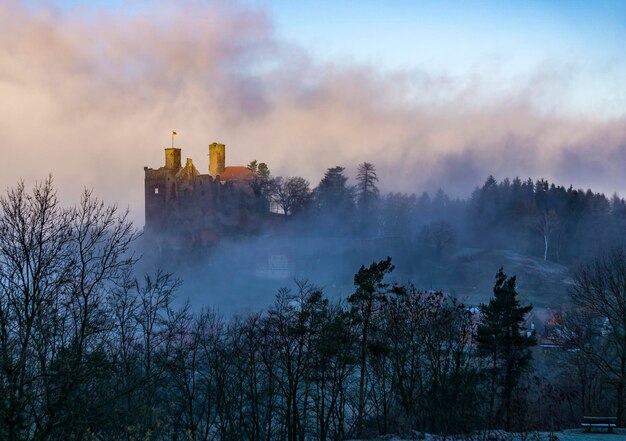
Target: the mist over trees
pixel 92 348
pixel 540 219
pixel 557 223
pixel 89 349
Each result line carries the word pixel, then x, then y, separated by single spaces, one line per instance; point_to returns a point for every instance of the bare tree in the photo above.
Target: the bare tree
pixel 59 268
pixel 333 364
pixel 291 328
pixel 547 223
pixel 438 235
pixel 249 384
pixel 290 194
pixel 35 257
pixel 152 316
pixel 600 291
pixel 580 331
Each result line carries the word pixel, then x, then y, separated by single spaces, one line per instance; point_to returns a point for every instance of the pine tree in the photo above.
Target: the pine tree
pixel 367 190
pixel 333 194
pixel 371 293
pixel 262 178
pixel 503 342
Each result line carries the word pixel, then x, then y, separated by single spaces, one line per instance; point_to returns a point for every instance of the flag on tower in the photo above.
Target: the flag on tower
pixel 174 133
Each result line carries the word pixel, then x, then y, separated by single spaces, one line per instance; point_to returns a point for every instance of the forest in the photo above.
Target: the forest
pixel 90 348
pixel 538 218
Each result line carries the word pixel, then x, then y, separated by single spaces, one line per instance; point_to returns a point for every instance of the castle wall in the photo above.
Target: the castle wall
pixel 159 190
pixel 182 203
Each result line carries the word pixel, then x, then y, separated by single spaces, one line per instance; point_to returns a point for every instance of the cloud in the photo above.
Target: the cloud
pixel 91 96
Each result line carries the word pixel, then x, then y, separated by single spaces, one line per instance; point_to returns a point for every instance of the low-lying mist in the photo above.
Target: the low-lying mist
pixel 536 230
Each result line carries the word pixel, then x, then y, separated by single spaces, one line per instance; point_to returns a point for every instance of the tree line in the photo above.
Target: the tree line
pixel 540 218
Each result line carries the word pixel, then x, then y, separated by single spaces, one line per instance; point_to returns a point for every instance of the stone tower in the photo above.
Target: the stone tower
pixel 172 159
pixel 160 187
pixel 217 159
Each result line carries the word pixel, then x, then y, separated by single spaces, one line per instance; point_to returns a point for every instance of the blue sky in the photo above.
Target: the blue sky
pixel 500 42
pixel 450 34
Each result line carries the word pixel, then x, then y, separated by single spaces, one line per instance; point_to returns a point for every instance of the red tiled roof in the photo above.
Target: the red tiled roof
pixel 236 173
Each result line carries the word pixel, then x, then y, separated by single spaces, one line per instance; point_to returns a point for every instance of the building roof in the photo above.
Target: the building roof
pixel 236 173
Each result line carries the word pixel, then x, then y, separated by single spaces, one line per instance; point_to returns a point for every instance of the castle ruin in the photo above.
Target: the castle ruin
pixel 185 205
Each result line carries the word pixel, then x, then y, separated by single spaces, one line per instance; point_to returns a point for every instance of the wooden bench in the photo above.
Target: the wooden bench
pixel 589 422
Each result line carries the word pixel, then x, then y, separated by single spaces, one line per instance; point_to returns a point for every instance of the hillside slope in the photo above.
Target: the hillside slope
pixel 469 274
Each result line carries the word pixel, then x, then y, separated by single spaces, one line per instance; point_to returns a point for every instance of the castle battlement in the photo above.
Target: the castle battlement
pixel 181 200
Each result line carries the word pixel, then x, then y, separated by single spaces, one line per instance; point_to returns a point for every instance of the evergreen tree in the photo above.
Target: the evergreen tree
pixel 366 188
pixel 503 342
pixel 371 293
pixel 262 179
pixel 333 194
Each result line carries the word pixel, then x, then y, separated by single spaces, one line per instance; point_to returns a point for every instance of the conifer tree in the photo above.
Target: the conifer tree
pixel 503 342
pixel 262 178
pixel 367 190
pixel 371 293
pixel 333 194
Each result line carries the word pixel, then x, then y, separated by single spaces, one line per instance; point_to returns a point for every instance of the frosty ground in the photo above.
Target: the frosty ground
pixel 565 435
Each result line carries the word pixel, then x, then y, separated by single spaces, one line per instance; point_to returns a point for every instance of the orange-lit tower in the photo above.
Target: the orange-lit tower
pixel 217 159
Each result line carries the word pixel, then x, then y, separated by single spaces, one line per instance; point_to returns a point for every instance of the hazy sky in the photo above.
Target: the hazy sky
pixel 433 93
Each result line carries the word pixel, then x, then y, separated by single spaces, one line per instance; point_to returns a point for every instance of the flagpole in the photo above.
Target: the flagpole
pixel 172 139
